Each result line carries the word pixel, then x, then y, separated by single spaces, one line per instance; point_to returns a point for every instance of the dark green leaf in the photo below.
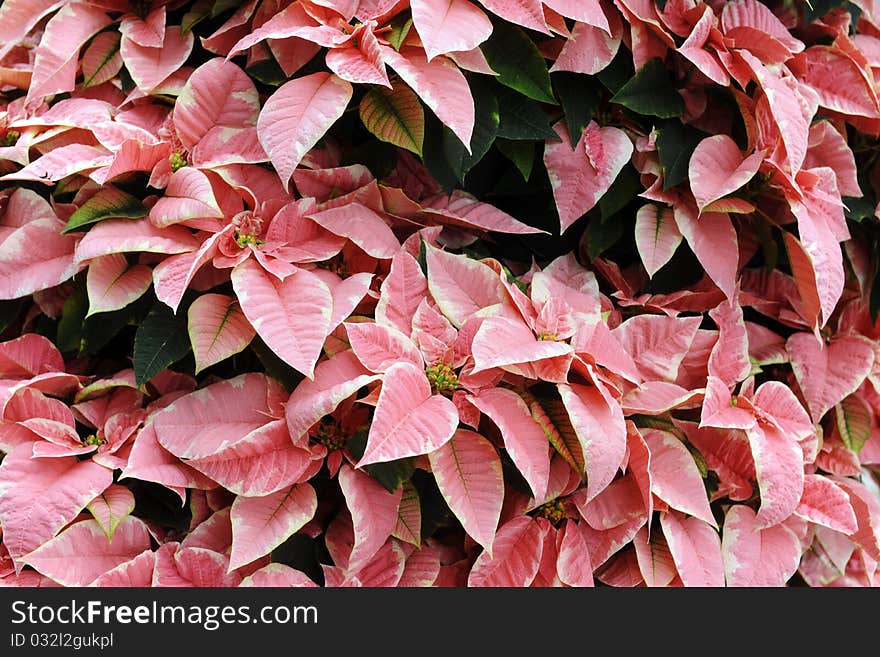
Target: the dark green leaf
pixel 521 117
pixel 158 504
pixel 858 208
pixel 267 70
pixel 651 92
pixel 71 322
pixel 108 203
pixel 379 157
pixel 9 311
pixel 521 153
pixel 816 9
pixel 602 235
pixel 400 26
pixel 390 474
pixel 579 98
pixel 518 62
pixel 675 144
pixel 623 190
pixel 275 367
pixel 616 74
pixel 300 551
pixel 160 341
pixel 201 10
pixel 485 129
pixel 99 330
pixel 661 4
pixel 224 5
pixel 434 155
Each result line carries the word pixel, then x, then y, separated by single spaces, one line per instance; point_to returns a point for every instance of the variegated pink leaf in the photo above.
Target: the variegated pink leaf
pixel 111 507
pixel 82 553
pixel 373 513
pixel 129 235
pixel 66 32
pixel 523 438
pixel 675 478
pixel 137 572
pixel 449 25
pixel 297 115
pixel 581 174
pixel 717 168
pixel 217 329
pixel 401 293
pixel 468 473
pixel 528 13
pixel 362 226
pixel 695 548
pixel 657 236
pixel 440 85
pixel 825 503
pixel 40 496
pixel 754 556
pixel 588 50
pixel 828 373
pixel 149 66
pixel 515 558
pixel 260 524
pixel 335 380
pixel 262 462
pixel 278 575
pixel 218 106
pixel 292 316
pixel 461 286
pixel 379 347
pixel 189 195
pixel 779 470
pixel 209 420
pixel 409 420
pixel 112 284
pixel 729 359
pixel 502 342
pixel 654 558
pixel 600 428
pixel 713 240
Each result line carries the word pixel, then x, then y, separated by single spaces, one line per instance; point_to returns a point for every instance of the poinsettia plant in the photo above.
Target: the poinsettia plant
pixel 439 293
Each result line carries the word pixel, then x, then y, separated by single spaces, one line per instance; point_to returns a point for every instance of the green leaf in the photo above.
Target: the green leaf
pixel 486 123
pixel 199 12
pixel 9 311
pixel 274 366
pixel 400 26
pixel 518 62
pixel 391 474
pixel 71 323
pixel 624 189
pixel 108 203
pixel 395 116
pixel 521 117
pixel 651 92
pixel 858 208
pixel 521 153
pixel 853 422
pixel 616 74
pixel 675 144
pixel 161 340
pixel 434 155
pixel 158 504
pixel 99 330
pixel 267 70
pixel 224 5
pixel 580 100
pixel 602 235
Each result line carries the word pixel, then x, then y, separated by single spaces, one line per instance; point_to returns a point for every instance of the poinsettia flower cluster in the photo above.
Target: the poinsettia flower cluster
pixel 439 293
